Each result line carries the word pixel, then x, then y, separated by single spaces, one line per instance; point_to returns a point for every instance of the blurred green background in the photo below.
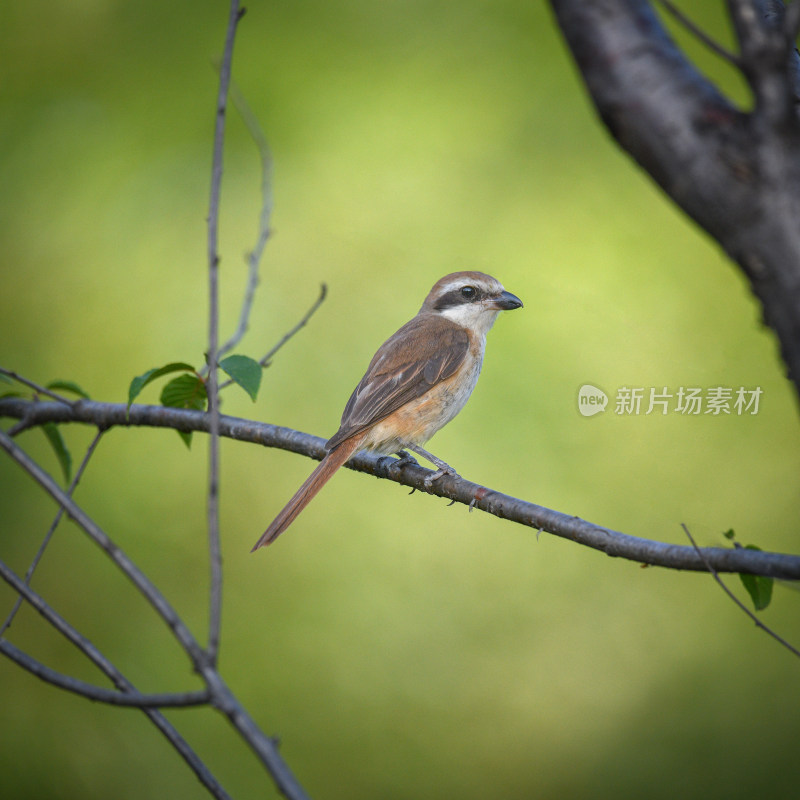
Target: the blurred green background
pixel 399 648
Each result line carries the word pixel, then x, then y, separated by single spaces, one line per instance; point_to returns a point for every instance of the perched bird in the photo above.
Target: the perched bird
pixel 419 379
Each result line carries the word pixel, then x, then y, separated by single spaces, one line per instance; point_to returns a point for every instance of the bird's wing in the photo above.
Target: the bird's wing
pixel 425 351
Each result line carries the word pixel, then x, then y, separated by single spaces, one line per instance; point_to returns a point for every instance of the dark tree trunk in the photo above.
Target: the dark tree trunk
pixel 736 173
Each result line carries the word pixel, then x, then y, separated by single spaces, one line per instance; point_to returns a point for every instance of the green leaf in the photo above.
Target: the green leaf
pixel 68 386
pixel 138 383
pixel 5 378
pixel 53 435
pixel 758 587
pixel 729 534
pixel 244 371
pixel 185 391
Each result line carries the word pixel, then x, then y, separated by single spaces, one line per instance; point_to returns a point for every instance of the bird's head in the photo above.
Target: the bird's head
pixel 470 299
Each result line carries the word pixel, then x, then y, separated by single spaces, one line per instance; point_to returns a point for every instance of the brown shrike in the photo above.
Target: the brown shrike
pixel 419 379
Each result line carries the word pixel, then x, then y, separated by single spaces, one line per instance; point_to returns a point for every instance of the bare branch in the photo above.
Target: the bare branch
pixel 266 749
pixel 611 542
pixel 40 552
pixel 735 599
pixel 204 661
pixel 214 546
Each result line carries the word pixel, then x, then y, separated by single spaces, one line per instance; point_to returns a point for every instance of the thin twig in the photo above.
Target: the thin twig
pixel 700 34
pixel 742 606
pixel 265 359
pixel 264 229
pixel 36 388
pixel 214 546
pixel 98 693
pixel 40 552
pixel 323 293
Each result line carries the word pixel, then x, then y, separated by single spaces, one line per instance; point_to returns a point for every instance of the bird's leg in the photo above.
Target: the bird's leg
pixel 442 467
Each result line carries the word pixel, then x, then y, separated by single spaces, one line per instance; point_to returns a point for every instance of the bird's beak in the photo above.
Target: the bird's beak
pixel 506 302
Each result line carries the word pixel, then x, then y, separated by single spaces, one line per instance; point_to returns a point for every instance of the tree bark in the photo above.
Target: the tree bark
pixel 734 172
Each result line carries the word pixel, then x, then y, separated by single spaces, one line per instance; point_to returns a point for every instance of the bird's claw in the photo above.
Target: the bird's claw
pixel 405 459
pixel 434 476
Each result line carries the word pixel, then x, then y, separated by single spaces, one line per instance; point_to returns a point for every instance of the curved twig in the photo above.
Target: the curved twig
pixel 742 606
pixel 99 693
pixel 144 585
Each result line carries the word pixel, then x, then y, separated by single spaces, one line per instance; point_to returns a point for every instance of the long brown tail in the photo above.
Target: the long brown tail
pixel 306 493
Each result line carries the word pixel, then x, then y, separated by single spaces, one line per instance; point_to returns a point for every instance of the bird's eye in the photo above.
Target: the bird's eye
pixel 469 292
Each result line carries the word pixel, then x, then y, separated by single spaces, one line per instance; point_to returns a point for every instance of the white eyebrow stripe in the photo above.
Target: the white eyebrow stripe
pixel 459 284
pixel 449 287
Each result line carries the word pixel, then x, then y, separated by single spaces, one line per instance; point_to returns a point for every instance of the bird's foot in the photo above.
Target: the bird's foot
pixel 405 459
pixel 442 467
pixel 445 469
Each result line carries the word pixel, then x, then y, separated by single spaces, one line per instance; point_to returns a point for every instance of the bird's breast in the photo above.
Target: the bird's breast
pixel 418 420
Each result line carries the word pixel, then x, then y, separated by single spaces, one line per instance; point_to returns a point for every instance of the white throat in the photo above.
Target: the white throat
pixel 478 317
